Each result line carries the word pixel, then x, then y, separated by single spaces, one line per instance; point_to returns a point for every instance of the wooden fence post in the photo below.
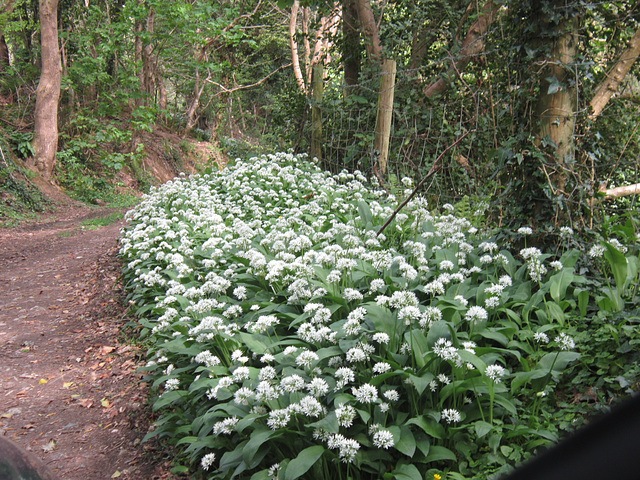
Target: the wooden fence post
pixel 317 80
pixel 385 114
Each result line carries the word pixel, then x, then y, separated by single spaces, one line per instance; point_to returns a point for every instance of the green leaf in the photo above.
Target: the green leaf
pixel 557 361
pixel 303 462
pixel 618 263
pixel 583 300
pixel 261 475
pixel 365 213
pixel 521 378
pixel 422 382
pixel 419 346
pixel 438 453
pixel 506 404
pixel 258 438
pixel 168 398
pixel 482 428
pixel 437 331
pixel 560 282
pixel 555 312
pixel 404 440
pixel 406 472
pixel 252 342
pixel 428 426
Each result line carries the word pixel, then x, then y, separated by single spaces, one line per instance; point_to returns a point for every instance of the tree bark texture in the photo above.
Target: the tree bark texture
pixel 148 67
pixel 293 42
pixel 352 51
pixel 4 54
pixel 370 31
pixel 611 83
pixel 48 91
pixel 473 45
pixel 556 107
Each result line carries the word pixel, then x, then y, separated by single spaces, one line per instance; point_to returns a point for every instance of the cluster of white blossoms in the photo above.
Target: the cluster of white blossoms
pixel 272 279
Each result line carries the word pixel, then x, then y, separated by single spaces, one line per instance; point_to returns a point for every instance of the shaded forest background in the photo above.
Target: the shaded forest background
pixel 545 94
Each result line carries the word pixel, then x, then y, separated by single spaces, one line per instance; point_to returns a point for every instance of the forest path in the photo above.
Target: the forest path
pixel 69 387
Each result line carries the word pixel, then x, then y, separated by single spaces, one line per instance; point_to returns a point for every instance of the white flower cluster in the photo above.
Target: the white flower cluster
pixel 290 306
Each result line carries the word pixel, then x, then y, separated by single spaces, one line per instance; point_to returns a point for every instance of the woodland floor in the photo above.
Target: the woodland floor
pixel 70 391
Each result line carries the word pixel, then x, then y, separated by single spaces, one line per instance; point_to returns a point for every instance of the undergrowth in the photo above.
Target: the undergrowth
pixel 291 337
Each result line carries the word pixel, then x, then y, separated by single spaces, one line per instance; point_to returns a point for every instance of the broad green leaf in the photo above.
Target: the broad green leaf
pixel 506 404
pixel 253 343
pixel 570 257
pixel 422 382
pixel 404 440
pixel 365 213
pixel 618 263
pixel 557 361
pixel 560 282
pixel 419 346
pixel 232 459
pixel 428 425
pixel 583 300
pixel 261 475
pixel 438 453
pixel 303 462
pixel 521 378
pixel 482 428
pixel 555 312
pixel 437 331
pixel 258 438
pixel 168 398
pixel 407 472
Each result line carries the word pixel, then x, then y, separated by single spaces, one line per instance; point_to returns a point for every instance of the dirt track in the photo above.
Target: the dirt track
pixel 69 387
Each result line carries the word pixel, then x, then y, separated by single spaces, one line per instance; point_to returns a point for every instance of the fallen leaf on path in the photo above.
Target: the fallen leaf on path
pixel 105 403
pixel 43 380
pixel 106 349
pixel 67 384
pixel 86 402
pixel 116 474
pixel 49 446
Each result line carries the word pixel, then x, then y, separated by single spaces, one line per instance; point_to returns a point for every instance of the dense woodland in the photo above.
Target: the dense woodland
pixel 545 92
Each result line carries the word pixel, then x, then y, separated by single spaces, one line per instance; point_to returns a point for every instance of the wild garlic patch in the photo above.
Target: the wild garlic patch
pixel 302 342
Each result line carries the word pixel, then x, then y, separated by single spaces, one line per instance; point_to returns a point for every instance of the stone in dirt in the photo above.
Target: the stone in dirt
pixel 18 464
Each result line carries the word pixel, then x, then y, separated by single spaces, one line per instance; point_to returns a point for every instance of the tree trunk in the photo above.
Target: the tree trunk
pixel 370 31
pixel 351 50
pixel 293 42
pixel 139 101
pixel 5 9
pixel 148 70
pixel 4 54
pixel 473 45
pixel 556 106
pixel 48 91
pixel 614 78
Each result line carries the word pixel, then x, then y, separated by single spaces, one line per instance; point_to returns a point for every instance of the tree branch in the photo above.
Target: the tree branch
pixel 617 192
pixel 614 78
pixel 473 45
pixel 244 87
pixel 434 168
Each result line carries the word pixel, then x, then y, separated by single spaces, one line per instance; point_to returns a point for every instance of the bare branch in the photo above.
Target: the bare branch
pixel 614 78
pixel 617 192
pixel 434 168
pixel 244 87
